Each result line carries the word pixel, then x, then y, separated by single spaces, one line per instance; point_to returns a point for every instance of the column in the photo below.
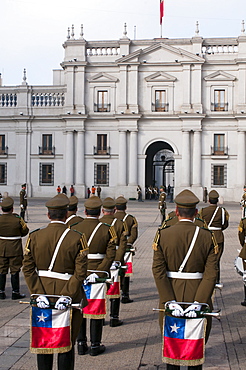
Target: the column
pixel 80 158
pixel 122 89
pixel 122 158
pixel 197 159
pixel 241 159
pixel 69 158
pixel 186 158
pixel 133 158
pixel 186 86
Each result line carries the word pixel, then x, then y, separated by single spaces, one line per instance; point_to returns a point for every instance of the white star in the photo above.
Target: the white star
pixel 42 317
pixel 174 328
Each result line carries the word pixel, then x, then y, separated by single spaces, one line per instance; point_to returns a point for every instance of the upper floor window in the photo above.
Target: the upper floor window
pixel 47 147
pixel 219 175
pixel 101 174
pixel 46 174
pixel 220 103
pixel 219 145
pixel 3 148
pixel 3 173
pixel 101 147
pixel 102 104
pixel 160 104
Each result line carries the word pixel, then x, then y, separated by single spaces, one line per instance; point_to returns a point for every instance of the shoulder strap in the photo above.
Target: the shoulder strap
pixel 190 249
pixel 125 217
pixel 93 233
pixel 57 249
pixel 214 214
pixel 114 221
pixel 69 218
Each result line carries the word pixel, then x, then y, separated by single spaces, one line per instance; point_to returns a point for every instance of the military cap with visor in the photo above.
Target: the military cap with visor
pixel 93 203
pixel 108 203
pixel 73 200
pixel 60 201
pixel 213 194
pixel 120 200
pixel 186 199
pixel 7 202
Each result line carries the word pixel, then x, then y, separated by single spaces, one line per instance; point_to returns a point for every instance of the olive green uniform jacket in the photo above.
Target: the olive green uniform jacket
pixel 241 236
pixel 218 222
pixel 23 198
pixel 73 220
pixel 71 259
pixel 130 224
pixel 103 242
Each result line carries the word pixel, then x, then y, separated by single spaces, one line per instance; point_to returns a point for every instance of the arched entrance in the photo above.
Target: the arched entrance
pixel 159 165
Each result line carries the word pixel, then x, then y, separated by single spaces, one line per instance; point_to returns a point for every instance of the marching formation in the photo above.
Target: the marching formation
pixel 76 263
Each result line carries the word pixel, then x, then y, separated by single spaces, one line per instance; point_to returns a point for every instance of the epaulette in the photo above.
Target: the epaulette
pixel 83 241
pixel 112 232
pixel 27 250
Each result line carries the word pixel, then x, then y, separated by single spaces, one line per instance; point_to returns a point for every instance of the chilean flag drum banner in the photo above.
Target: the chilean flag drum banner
pixel 114 289
pixel 128 261
pixel 96 296
pixel 184 341
pixel 50 330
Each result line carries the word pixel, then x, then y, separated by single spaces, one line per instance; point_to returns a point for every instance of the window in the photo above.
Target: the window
pixel 2 144
pixel 160 104
pixel 101 174
pixel 219 101
pixel 46 174
pixel 46 145
pixel 3 173
pixel 101 144
pixel 102 102
pixel 219 175
pixel 219 144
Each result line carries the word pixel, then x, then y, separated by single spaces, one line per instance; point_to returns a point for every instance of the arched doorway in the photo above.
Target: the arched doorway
pixel 159 165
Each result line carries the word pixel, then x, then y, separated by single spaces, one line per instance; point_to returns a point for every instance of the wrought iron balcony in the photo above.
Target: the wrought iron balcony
pixel 102 107
pixel 223 150
pixel 101 151
pixel 45 151
pixel 219 107
pixel 160 107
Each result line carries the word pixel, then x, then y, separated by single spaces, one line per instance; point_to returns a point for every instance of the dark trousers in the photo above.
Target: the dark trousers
pixel 174 367
pixel 65 361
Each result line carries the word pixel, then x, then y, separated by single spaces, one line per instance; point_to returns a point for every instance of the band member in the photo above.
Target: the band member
pixel 44 279
pixel 183 277
pixel 131 229
pixel 242 254
pixel 162 204
pixel 12 229
pixel 101 239
pixel 72 217
pixel 23 201
pixel 108 210
pixel 217 219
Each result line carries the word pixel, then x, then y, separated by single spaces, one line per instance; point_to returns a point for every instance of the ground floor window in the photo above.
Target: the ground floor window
pixel 46 174
pixel 101 174
pixel 219 175
pixel 3 173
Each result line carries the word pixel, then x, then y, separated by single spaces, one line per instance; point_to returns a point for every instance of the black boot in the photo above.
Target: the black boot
pixel 15 282
pixel 2 286
pixel 96 327
pixel 114 312
pixel 45 362
pixel 82 339
pixel 198 367
pixel 125 290
pixel 66 360
pixel 243 303
pixel 173 367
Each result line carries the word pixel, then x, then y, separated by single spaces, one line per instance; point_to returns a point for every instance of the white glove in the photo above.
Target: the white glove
pixel 42 301
pixel 191 310
pixel 61 303
pixel 91 278
pixel 22 207
pixel 114 266
pixel 176 309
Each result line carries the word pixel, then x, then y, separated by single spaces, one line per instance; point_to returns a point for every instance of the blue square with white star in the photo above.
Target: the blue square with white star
pixel 41 317
pixel 174 327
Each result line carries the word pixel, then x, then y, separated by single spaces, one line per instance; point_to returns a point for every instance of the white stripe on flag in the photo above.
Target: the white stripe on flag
pixel 60 318
pixel 98 291
pixel 194 328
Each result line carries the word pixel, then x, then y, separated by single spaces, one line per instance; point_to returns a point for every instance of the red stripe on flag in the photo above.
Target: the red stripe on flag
pixel 114 289
pixel 161 10
pixel 95 307
pixel 50 337
pixel 183 349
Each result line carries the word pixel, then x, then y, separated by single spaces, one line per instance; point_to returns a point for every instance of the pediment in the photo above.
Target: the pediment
pixel 102 77
pixel 160 77
pixel 220 76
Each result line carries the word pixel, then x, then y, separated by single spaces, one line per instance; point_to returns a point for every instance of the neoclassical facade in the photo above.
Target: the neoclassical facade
pixel 128 112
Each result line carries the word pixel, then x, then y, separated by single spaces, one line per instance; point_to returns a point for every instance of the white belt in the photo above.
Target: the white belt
pixel 96 256
pixel 184 275
pixel 54 275
pixel 117 247
pixel 214 228
pixel 10 237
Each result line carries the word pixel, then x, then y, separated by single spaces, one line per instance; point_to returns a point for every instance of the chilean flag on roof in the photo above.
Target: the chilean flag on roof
pixel 184 341
pixel 96 296
pixel 50 331
pixel 161 10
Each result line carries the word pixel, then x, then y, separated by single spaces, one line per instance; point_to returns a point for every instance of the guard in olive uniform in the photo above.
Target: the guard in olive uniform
pixel 108 211
pixel 194 280
pixel 63 276
pixel 243 202
pixel 131 230
pixel 23 201
pixel 242 254
pixel 72 217
pixel 12 229
pixel 162 204
pixel 101 240
pixel 217 219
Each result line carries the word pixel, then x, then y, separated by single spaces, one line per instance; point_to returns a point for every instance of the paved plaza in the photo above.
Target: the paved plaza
pixel 137 343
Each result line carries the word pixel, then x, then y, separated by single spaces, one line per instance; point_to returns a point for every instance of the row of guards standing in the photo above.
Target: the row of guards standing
pixel 67 265
pixel 187 251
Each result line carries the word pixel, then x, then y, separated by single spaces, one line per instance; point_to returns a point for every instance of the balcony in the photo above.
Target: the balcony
pixel 102 107
pixel 219 151
pixel 101 151
pixel 4 151
pixel 45 151
pixel 160 107
pixel 219 107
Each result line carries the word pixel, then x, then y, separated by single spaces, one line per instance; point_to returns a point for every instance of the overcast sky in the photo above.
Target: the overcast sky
pixel 32 31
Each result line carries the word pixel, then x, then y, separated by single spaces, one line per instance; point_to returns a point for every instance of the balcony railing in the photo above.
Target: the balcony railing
pixel 101 151
pixel 8 100
pixel 160 107
pixel 219 107
pixel 48 99
pixel 215 150
pixel 43 151
pixel 102 107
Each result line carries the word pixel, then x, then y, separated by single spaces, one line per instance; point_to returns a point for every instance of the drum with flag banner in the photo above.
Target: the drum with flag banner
pixel 96 296
pixel 50 330
pixel 128 258
pixel 114 289
pixel 184 341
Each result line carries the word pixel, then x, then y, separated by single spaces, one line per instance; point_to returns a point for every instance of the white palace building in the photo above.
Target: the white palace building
pixel 127 112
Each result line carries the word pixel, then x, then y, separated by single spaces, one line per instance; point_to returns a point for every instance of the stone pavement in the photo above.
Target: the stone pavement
pixel 137 343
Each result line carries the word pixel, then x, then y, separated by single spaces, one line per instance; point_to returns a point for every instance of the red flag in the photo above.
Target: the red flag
pixel 96 296
pixel 161 10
